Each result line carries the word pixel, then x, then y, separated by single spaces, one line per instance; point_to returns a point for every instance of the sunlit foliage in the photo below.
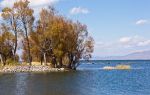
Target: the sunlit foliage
pixel 53 39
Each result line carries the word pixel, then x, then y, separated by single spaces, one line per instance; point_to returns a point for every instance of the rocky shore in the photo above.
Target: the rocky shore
pixel 12 69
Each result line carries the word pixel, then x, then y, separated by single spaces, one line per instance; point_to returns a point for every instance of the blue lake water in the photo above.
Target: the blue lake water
pixel 89 79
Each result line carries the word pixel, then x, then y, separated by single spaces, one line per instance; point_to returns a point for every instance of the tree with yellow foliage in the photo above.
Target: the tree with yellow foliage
pixel 54 39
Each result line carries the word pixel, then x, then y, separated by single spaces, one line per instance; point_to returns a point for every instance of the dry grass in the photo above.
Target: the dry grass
pixel 124 67
pixel 1 66
pixel 34 63
pixel 118 67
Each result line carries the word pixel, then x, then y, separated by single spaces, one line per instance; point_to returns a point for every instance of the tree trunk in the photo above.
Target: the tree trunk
pixel 74 65
pixel 54 62
pixel 70 56
pixel 29 55
pixel 69 65
pixel 1 59
pixel 60 62
pixel 28 45
pixel 45 61
pixel 4 61
pixel 41 59
pixel 15 48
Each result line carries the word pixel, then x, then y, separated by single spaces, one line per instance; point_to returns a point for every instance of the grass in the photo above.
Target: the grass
pixel 118 67
pixel 123 67
pixel 23 64
pixel 1 66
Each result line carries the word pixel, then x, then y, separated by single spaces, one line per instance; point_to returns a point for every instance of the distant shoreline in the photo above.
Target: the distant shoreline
pixel 118 60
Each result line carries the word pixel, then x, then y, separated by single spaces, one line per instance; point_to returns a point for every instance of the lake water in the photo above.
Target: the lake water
pixel 89 79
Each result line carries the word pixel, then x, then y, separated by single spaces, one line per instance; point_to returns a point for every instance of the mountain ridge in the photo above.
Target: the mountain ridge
pixel 143 55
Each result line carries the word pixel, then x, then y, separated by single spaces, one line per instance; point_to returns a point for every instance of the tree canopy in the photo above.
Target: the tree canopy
pixel 51 38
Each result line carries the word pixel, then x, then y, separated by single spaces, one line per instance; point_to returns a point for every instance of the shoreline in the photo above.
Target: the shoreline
pixel 19 69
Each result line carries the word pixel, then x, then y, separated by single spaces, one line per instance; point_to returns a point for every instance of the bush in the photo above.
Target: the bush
pixel 11 62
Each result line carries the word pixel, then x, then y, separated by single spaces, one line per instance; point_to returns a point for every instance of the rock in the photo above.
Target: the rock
pixel 108 68
pixel 30 69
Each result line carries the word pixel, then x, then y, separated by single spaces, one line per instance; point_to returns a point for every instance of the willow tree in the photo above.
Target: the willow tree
pixel 6 44
pixel 41 41
pixel 26 19
pixel 11 22
pixel 61 41
pixel 77 44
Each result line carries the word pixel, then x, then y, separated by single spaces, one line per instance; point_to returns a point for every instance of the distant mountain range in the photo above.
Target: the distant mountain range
pixel 144 55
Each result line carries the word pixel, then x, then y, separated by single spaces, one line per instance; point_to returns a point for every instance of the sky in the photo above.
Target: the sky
pixel 119 27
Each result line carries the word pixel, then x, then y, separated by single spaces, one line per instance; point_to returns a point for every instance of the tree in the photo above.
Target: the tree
pixel 26 19
pixel 54 39
pixel 11 21
pixel 60 40
pixel 89 48
pixel 6 44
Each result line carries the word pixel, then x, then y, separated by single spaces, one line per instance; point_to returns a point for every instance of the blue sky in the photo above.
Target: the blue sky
pixel 119 27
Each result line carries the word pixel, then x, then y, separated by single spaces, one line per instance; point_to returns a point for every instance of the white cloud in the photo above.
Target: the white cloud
pixel 142 22
pixel 42 3
pixel 37 5
pixel 125 39
pixel 79 10
pixel 123 45
pixel 33 3
pixel 134 41
pixel 144 43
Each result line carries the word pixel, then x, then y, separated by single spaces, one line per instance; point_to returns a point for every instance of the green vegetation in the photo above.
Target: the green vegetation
pixel 50 39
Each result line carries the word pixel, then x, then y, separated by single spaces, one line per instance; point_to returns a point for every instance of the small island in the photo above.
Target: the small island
pixel 48 39
pixel 117 67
